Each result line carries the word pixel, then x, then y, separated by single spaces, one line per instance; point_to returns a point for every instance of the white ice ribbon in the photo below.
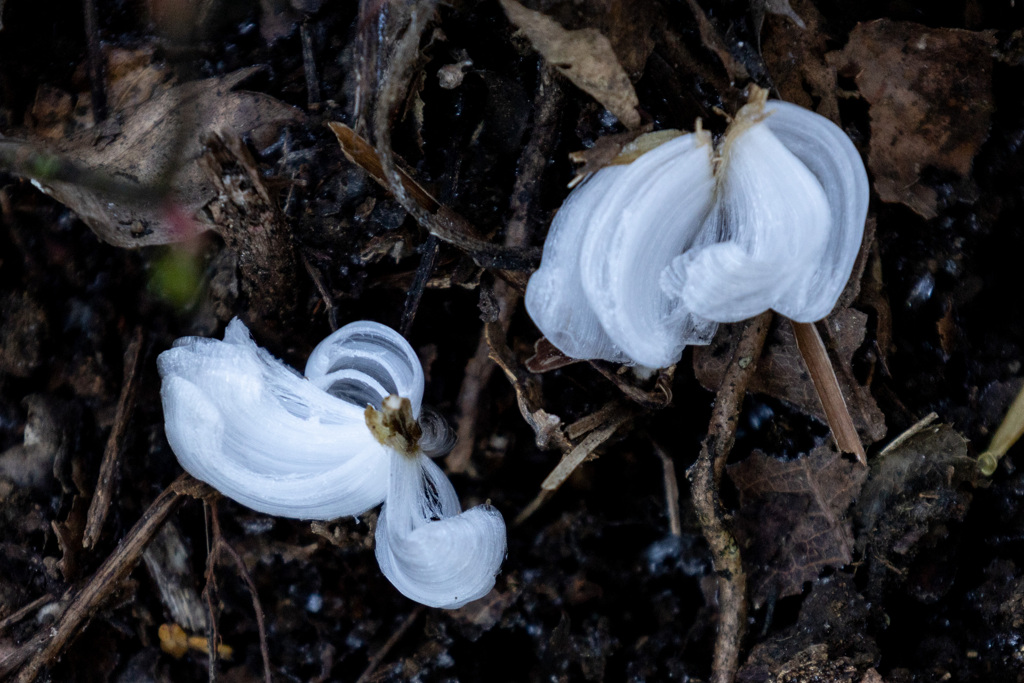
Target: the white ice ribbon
pixel 257 431
pixel 645 258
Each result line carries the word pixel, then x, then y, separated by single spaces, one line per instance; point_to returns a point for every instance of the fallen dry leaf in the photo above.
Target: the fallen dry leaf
pixel 794 54
pixel 157 135
pixel 792 520
pixel 930 91
pixel 584 56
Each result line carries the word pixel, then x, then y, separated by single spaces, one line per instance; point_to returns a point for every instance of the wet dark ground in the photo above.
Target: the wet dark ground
pixel 594 587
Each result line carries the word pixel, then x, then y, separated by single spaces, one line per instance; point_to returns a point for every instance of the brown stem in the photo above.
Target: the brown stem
pixel 109 470
pixel 826 384
pixel 46 646
pixel 705 477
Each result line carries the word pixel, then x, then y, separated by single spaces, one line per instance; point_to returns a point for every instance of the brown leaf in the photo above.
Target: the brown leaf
pixel 792 520
pixel 546 358
pixel 154 137
pixel 930 91
pixel 584 56
pixel 794 54
pixel 782 374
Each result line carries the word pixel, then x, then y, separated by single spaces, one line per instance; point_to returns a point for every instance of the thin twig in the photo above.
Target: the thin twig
pixel 530 173
pixel 14 618
pixel 573 458
pixel 705 476
pixel 428 212
pixel 389 644
pixel 97 75
pixel 431 247
pixel 309 65
pixel 915 428
pixel 823 376
pixel 318 280
pixel 261 625
pixel 100 504
pixel 220 545
pixel 48 643
pixel 675 522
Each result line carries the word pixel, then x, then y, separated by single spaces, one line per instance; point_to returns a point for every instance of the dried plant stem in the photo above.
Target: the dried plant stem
pixel 675 522
pixel 379 656
pixel 46 646
pixel 112 453
pixel 705 476
pixel 222 546
pixel 23 612
pixel 547 107
pixel 823 376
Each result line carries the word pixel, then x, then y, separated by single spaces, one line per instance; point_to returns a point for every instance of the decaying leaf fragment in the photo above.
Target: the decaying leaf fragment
pixel 158 136
pixel 584 56
pixel 793 46
pixel 930 91
pixel 792 519
pixel 912 485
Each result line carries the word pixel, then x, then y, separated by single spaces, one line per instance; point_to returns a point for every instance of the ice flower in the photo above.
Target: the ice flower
pixel 306 447
pixel 646 257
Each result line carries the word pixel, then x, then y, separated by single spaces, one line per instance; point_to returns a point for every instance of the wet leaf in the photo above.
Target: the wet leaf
pixel 930 91
pixel 158 136
pixel 584 56
pixel 792 520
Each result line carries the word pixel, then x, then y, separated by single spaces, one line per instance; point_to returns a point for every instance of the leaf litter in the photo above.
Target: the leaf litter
pixel 844 548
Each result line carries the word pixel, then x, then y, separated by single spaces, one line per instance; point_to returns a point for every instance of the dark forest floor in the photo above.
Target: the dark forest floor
pixel 909 570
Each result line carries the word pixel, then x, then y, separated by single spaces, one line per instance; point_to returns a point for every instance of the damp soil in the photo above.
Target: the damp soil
pixel 912 572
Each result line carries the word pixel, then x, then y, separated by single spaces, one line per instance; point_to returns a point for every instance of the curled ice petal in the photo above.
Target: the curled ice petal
pixel 365 361
pixel 438 436
pixel 667 246
pixel 250 426
pixel 596 294
pixel 554 296
pixel 426 546
pixel 831 156
pixel 790 209
pixel 654 211
pixel 773 218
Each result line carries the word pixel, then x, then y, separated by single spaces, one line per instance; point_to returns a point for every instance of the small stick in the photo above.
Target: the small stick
pixel 222 546
pixel 448 225
pixel 431 248
pixel 915 428
pixel 389 644
pixel 815 356
pixel 97 77
pixel 45 647
pixel 573 459
pixel 318 279
pixel 547 104
pixel 705 476
pixel 675 522
pixel 14 618
pixel 100 504
pixel 309 64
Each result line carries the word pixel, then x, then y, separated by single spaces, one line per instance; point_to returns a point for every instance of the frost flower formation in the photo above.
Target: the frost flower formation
pixel 346 437
pixel 646 257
